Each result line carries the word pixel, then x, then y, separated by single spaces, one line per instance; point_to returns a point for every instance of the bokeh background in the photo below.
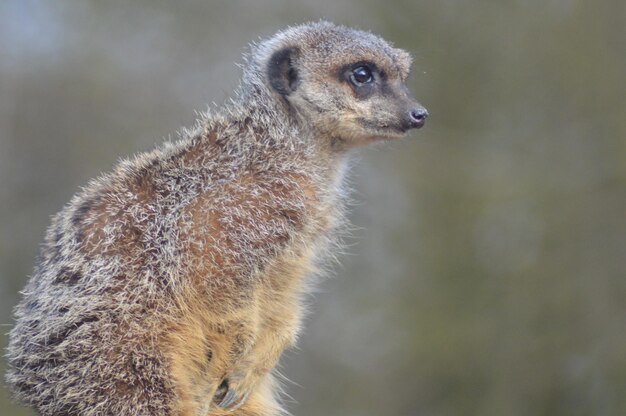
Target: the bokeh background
pixel 486 274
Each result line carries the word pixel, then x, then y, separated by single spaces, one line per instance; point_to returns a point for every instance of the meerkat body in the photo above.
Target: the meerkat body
pixel 172 285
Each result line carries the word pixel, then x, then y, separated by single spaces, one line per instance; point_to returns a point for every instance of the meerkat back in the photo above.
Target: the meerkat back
pixel 171 285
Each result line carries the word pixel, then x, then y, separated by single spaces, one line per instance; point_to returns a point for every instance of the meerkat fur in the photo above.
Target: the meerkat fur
pixel 172 285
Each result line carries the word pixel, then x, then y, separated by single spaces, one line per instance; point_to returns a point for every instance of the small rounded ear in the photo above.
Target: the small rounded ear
pixel 281 70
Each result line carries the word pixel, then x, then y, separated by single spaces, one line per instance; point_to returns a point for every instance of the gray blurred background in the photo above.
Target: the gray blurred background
pixel 486 274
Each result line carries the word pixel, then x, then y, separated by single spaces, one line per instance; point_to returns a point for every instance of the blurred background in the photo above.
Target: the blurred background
pixel 487 271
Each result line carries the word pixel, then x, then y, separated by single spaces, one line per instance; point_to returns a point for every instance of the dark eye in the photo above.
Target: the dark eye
pixel 361 75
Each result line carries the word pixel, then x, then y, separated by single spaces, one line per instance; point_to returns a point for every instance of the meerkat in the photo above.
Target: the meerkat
pixel 172 285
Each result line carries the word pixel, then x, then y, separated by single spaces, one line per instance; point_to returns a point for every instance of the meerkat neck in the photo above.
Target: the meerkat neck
pixel 258 109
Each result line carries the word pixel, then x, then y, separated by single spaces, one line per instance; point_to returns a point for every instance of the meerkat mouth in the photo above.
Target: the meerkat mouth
pixel 384 130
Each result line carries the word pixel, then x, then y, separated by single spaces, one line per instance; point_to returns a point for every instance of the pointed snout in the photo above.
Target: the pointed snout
pixel 416 117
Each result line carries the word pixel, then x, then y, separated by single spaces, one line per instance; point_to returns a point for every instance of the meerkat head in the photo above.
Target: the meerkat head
pixel 349 85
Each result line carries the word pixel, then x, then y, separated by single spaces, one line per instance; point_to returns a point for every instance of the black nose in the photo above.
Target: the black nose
pixel 418 116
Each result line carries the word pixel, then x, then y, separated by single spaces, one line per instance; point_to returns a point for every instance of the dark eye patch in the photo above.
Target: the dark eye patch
pixel 360 69
pixel 361 75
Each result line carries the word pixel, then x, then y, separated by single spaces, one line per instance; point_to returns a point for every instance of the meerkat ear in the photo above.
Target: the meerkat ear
pixel 282 72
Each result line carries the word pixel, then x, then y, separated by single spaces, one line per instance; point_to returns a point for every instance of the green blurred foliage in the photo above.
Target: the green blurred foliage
pixel 486 272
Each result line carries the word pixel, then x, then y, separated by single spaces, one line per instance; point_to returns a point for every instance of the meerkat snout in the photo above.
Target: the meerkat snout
pixel 417 117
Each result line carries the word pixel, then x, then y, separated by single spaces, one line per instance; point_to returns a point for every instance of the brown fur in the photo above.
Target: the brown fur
pixel 172 285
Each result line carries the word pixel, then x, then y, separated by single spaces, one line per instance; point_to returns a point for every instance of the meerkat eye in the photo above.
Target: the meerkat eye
pixel 361 75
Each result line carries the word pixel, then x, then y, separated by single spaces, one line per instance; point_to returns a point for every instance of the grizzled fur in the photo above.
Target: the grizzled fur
pixel 172 285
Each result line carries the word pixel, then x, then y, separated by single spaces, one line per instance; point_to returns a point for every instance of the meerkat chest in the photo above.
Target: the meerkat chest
pixel 263 228
pixel 289 277
pixel 313 226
